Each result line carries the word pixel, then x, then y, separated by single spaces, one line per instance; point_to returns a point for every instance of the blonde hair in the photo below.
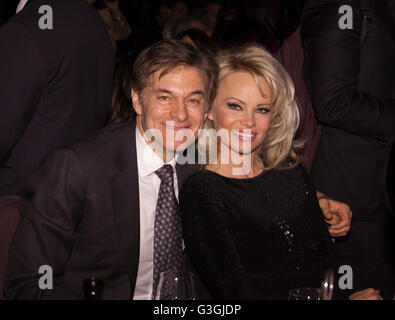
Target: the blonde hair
pixel 279 144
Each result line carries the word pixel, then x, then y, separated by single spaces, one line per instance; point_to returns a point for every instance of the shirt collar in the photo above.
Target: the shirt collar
pixel 148 161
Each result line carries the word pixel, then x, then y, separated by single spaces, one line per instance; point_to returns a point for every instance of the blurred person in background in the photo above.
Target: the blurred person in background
pixel 121 102
pixel 116 23
pixel 163 14
pixel 210 16
pixel 179 11
pixel 55 88
pixel 349 73
pixel 244 30
pixel 146 20
pixel 229 11
pixel 190 22
pixel 55 85
pixel 198 38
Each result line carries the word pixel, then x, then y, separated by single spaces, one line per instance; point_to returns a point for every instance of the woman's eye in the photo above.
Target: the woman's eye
pixel 234 106
pixel 263 110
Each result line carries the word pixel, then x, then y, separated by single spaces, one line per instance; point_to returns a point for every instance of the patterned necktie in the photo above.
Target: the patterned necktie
pixel 167 231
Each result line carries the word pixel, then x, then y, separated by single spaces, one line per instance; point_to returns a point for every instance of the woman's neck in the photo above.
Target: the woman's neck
pixel 235 165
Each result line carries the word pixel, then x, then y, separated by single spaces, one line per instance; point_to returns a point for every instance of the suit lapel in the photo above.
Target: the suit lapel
pixel 125 197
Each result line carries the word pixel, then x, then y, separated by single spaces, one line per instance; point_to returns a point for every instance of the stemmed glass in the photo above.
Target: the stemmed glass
pixel 323 293
pixel 305 294
pixel 176 285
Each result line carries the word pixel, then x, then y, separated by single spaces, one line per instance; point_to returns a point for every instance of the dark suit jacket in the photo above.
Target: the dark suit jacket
pixel 80 215
pixel 55 85
pixel 352 86
pixel 350 75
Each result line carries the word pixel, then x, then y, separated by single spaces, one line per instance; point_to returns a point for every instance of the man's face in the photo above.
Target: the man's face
pixel 173 102
pixel 211 15
pixel 180 10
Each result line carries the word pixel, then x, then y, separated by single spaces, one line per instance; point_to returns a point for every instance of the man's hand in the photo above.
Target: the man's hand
pixel 367 294
pixel 337 215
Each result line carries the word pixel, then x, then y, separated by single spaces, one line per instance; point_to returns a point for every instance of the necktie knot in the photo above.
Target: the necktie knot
pixel 165 173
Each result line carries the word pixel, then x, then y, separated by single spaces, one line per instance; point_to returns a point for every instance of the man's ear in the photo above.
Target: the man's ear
pixel 138 108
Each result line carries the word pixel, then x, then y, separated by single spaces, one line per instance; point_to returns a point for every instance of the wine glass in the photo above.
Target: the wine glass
pixel 327 285
pixel 176 285
pixel 305 294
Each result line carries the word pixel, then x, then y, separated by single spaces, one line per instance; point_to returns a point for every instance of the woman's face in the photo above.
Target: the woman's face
pixel 242 112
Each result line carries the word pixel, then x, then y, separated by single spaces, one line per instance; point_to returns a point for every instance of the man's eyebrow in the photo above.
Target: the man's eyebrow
pixel 197 92
pixel 161 90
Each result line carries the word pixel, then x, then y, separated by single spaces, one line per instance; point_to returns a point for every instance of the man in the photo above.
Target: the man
pixel 350 74
pixel 107 207
pixel 55 84
pixel 90 208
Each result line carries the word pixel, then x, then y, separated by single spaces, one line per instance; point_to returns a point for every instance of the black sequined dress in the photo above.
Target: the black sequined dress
pixel 255 238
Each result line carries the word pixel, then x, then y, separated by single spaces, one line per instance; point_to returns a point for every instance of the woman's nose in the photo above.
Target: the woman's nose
pixel 248 120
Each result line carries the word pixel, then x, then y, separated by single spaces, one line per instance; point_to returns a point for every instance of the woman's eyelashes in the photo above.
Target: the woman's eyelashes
pixel 235 106
pixel 263 110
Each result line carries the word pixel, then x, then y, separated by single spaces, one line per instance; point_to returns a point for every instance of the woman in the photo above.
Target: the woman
pixel 251 222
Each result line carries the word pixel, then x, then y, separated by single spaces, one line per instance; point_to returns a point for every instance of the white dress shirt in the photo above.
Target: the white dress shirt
pixel 147 163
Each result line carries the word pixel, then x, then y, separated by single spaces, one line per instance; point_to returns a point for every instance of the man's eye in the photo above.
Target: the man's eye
pixel 194 101
pixel 164 98
pixel 234 106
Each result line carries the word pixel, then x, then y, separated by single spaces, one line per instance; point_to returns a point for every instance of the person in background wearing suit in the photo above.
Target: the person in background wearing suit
pixel 96 208
pixel 55 88
pixel 350 75
pixel 55 84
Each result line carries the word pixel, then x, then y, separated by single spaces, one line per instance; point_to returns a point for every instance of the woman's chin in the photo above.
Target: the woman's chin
pixel 242 151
